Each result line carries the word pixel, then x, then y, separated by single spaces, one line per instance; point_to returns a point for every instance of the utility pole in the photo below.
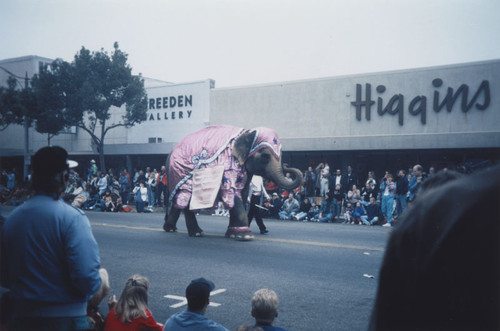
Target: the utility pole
pixel 27 159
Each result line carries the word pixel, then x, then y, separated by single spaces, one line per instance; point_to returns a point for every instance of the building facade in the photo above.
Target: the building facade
pixel 446 116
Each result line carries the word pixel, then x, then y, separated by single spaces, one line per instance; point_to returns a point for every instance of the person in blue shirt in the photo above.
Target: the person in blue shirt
pixel 50 258
pixel 193 319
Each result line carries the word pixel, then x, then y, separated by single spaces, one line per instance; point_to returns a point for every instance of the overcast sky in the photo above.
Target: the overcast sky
pixel 246 42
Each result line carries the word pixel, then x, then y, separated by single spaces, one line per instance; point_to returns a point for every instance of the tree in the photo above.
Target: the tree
pixel 49 89
pixel 88 88
pixel 17 106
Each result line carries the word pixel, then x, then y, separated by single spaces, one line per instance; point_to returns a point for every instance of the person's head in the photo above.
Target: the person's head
pixel 306 200
pixel 265 306
pixel 368 186
pixel 288 175
pixel 133 301
pixel 389 177
pixel 310 168
pixel 102 292
pixel 432 170
pixel 372 201
pixel 370 174
pixel 349 169
pixel 354 188
pixel 275 195
pixel 349 204
pixel 418 170
pixel 339 172
pixel 198 294
pixel 108 192
pixel 402 173
pixel 290 195
pixel 51 170
pixel 358 204
pixel 92 162
pixel 148 169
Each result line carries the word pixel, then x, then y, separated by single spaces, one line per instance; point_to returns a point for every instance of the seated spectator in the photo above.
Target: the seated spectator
pixel 372 212
pixel 124 186
pixel 367 193
pixel 358 212
pixel 353 195
pixel 81 197
pixel 305 207
pixel 275 205
pixel 290 207
pixel 327 211
pixel 94 317
pixel 198 298
pixel 348 213
pixel 265 309
pixel 131 312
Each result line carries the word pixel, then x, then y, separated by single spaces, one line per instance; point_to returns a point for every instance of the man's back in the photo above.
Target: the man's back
pixel 193 321
pixel 52 259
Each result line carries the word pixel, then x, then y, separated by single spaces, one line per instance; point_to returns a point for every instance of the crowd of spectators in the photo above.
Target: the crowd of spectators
pixel 343 197
pixel 110 191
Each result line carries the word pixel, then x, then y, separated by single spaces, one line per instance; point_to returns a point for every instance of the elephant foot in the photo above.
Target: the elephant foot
pixel 169 228
pixel 196 234
pixel 242 233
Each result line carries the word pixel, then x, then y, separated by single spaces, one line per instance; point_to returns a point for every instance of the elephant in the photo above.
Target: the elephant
pixel 236 154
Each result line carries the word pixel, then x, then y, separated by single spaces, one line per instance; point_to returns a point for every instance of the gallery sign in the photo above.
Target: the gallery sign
pixel 421 106
pixel 173 112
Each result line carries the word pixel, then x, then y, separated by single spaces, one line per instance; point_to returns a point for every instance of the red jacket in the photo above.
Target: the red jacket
pixel 115 324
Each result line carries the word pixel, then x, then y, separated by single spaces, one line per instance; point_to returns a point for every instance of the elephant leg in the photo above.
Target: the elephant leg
pixel 171 219
pixel 192 224
pixel 238 222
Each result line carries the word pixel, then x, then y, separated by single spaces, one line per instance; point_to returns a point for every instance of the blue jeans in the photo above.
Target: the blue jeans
pixel 300 216
pixel 387 205
pixel 400 203
pixel 364 219
pixel 324 217
pixel 284 215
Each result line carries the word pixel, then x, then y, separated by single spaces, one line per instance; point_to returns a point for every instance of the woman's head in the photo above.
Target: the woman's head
pixel 133 301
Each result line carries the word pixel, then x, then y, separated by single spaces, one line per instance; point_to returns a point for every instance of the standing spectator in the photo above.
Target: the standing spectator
pixel 323 183
pixel 124 187
pixel 341 180
pixel 51 259
pixel 401 192
pixel 387 189
pixel 351 178
pixel 339 199
pixel 309 182
pixel 102 184
pixel 136 177
pixel 92 170
pixel 372 212
pixel 256 194
pixel 151 186
pixel 140 197
pixel 265 309
pixel 11 180
pixel 161 191
pixel 415 182
pixel 131 312
pixel 317 184
pixel 289 208
pixel 198 298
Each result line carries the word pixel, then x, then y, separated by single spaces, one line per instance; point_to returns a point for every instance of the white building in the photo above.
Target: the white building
pixel 440 116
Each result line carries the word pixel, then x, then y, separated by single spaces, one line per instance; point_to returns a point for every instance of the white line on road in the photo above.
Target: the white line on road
pixel 183 300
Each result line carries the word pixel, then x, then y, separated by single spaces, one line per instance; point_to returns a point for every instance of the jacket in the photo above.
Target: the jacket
pixel 193 321
pixel 52 259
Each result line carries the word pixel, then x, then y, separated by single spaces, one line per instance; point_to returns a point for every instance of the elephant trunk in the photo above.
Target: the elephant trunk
pixel 275 173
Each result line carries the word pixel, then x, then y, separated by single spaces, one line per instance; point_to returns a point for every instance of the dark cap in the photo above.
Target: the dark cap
pixel 198 292
pixel 51 160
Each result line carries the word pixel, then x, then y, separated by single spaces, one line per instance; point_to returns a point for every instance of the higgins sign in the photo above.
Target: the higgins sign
pixel 173 112
pixel 471 98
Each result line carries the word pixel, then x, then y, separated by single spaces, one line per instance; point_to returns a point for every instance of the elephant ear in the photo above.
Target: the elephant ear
pixel 242 146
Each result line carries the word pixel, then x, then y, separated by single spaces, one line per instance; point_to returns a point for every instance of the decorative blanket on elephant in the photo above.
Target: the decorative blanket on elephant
pixel 207 148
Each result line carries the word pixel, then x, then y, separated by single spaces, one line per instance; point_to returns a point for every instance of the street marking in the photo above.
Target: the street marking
pixel 183 300
pixel 287 241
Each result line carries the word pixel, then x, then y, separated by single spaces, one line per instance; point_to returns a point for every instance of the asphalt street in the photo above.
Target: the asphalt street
pixel 321 272
pixel 324 274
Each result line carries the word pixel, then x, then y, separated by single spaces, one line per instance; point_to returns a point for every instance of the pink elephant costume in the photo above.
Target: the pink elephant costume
pixel 212 147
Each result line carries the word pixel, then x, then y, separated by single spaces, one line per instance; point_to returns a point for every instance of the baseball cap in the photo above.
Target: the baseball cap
pixel 51 160
pixel 198 291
